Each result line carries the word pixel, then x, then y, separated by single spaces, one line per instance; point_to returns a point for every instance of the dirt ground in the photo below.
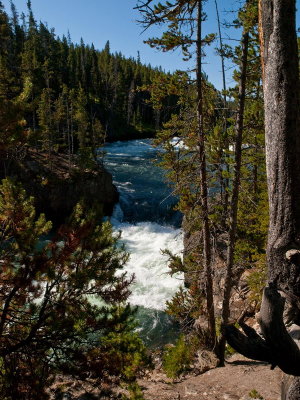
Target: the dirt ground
pixel 240 379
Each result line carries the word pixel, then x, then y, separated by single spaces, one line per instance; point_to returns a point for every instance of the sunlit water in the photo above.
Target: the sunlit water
pixel 149 224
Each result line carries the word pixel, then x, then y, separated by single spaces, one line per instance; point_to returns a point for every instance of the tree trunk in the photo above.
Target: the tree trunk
pixel 223 138
pixel 235 196
pixel 281 99
pixel 203 184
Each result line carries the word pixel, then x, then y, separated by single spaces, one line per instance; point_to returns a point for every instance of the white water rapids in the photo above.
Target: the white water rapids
pixel 149 225
pixel 144 241
pixel 144 216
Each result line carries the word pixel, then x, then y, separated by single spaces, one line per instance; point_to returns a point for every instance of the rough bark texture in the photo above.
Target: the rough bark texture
pixel 281 97
pixel 277 347
pixel 290 389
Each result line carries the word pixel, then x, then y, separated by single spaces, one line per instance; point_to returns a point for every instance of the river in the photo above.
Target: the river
pixel 148 223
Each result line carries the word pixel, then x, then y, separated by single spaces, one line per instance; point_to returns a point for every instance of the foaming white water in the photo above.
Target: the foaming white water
pixel 124 186
pixel 142 201
pixel 153 285
pixel 178 143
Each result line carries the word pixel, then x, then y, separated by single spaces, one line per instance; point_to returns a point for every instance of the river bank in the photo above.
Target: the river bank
pixel 58 184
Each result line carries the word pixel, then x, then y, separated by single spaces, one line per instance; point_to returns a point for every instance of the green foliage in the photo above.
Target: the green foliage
pixel 248 15
pixel 17 215
pixel 180 140
pixel 255 395
pixel 257 281
pixel 66 97
pixel 12 124
pixel 177 359
pixel 135 392
pixel 180 21
pixel 63 302
pixel 174 262
pixel 186 306
pixel 122 345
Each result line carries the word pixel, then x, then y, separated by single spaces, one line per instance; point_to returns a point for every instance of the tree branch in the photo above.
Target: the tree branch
pixel 6 307
pixel 277 347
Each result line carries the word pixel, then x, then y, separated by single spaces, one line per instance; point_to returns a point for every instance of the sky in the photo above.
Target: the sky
pixel 97 21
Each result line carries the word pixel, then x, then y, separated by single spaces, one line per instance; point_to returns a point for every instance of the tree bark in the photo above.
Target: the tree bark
pixel 277 347
pixel 234 197
pixel 203 183
pixel 281 99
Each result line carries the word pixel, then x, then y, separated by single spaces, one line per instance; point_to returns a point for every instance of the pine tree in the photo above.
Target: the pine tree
pixel 45 114
pixel 183 18
pixel 62 301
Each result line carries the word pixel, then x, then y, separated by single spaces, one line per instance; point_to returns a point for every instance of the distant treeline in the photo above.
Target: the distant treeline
pixel 68 96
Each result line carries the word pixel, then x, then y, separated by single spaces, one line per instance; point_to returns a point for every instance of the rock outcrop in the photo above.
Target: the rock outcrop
pixel 58 185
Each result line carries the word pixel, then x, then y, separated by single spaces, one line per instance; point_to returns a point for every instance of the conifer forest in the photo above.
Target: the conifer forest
pixel 149 220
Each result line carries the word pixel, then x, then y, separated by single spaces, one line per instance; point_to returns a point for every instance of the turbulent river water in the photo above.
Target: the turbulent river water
pixel 148 223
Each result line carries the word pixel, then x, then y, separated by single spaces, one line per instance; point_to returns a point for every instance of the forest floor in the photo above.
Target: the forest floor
pixel 240 379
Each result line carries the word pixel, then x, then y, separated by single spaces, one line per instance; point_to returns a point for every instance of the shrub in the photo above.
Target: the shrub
pixel 255 395
pixel 177 359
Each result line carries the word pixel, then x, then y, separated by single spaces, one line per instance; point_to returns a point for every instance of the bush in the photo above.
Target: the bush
pixel 177 359
pixel 255 395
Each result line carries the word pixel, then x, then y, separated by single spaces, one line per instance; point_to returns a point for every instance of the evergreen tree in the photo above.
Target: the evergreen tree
pixel 184 30
pixel 32 57
pixel 62 301
pixel 234 163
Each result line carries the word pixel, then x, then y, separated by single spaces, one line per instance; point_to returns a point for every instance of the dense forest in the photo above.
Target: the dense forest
pixel 69 97
pixel 63 101
pixel 58 98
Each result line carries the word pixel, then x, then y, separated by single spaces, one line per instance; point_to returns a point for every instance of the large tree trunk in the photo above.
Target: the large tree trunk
pixel 281 97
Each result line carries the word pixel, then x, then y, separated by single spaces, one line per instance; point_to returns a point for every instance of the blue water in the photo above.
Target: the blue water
pixel 149 224
pixel 145 195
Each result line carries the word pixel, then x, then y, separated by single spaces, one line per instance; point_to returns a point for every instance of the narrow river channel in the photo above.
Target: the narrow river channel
pixel 148 223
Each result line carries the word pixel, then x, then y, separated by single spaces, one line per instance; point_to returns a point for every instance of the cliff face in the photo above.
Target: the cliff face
pixel 58 186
